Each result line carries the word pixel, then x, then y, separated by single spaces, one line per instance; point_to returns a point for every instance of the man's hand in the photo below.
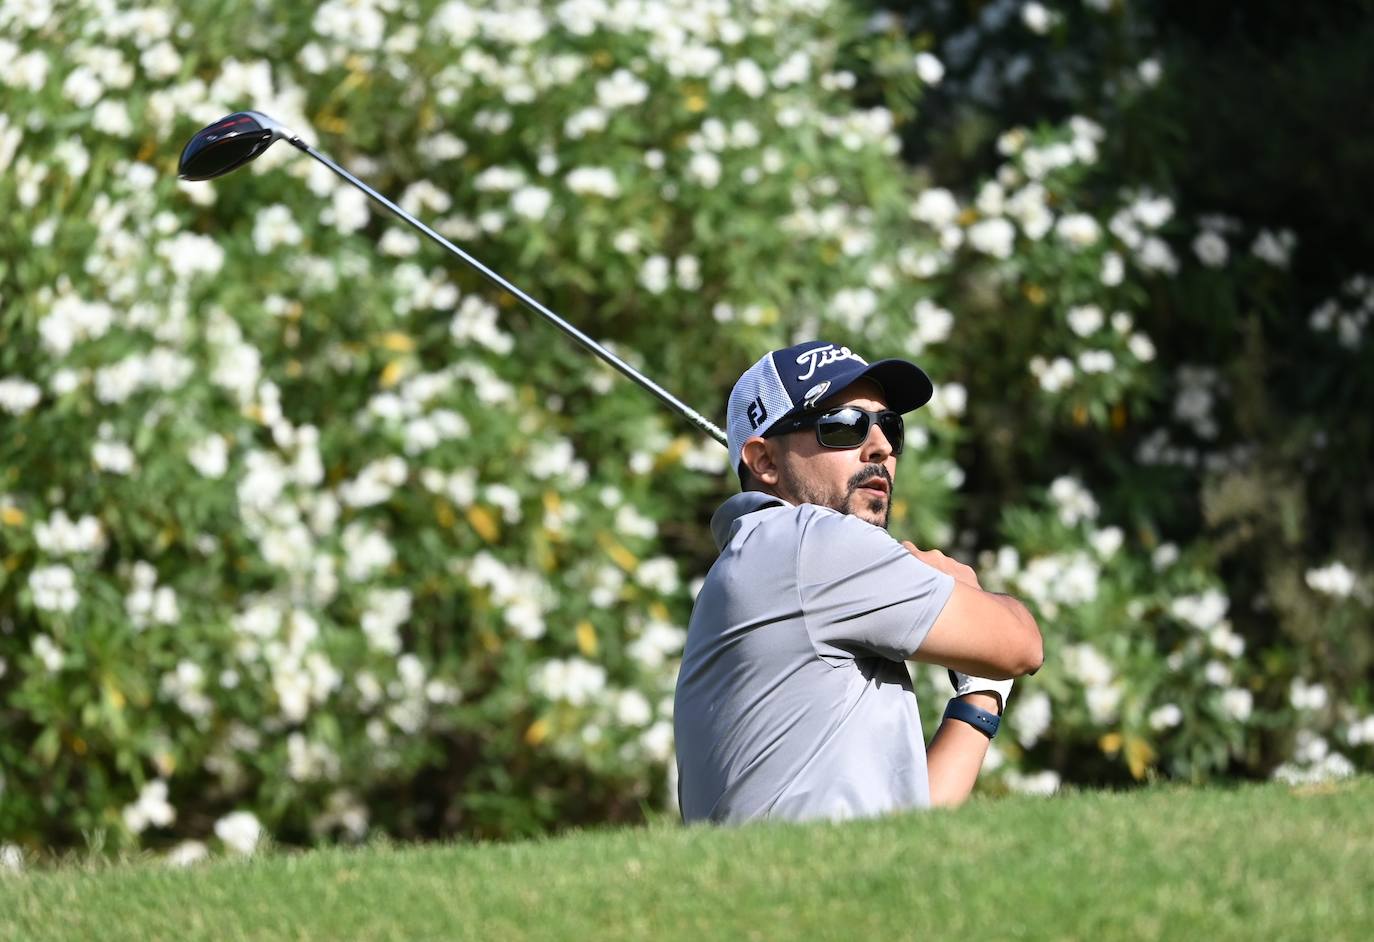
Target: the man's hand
pixel 946 564
pixel 965 684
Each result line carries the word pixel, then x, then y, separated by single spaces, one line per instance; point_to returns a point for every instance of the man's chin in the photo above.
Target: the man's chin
pixel 875 512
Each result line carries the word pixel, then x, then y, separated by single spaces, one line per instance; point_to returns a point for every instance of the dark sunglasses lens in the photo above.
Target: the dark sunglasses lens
pixel 894 428
pixel 844 428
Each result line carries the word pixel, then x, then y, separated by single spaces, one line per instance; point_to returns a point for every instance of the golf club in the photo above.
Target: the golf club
pixel 243 136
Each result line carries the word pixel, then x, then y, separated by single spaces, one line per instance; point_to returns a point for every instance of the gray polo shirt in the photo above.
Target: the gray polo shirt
pixel 794 700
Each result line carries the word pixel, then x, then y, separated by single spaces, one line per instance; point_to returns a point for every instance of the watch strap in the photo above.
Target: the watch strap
pixel 981 720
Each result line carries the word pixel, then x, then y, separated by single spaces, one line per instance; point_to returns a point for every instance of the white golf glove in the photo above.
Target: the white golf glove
pixel 967 683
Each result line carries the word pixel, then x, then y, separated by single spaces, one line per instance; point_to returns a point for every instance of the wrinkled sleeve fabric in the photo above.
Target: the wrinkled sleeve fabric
pixel 862 593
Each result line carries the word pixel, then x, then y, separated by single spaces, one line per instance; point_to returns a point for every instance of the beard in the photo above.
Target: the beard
pixel 878 510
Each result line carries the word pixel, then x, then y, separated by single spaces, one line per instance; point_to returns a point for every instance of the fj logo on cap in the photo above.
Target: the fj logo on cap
pixel 821 357
pixel 757 413
pixel 813 395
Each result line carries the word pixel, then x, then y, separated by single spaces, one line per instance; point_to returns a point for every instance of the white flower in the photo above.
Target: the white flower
pixel 59 535
pixel 1149 70
pixel 936 208
pixel 1216 673
pixel 948 401
pixel 1237 703
pixel 933 323
pixel 574 680
pixel 1224 639
pixel 531 202
pixel 366 551
pixel 593 181
pixel 1113 270
pixel 750 78
pixel 1276 248
pixel 151 808
pixel 1361 732
pixel 1085 319
pixel 1037 783
pixel 478 321
pixel 1141 347
pixel 705 168
pixel 1154 253
pixel 114 457
pixel 1037 17
pixel 49 653
pixel 1103 703
pixel 621 88
pixel 1085 664
pixel 928 68
pixel 1078 229
pixel 1055 375
pixel 112 117
pixel 1151 209
pixel 632 708
pixel 991 199
pixel 1072 501
pixel 993 237
pixel 273 227
pixel 657 741
pixel 11 858
pixel 659 574
pixel 400 243
pixel 210 456
pixel 18 396
pixel 240 831
pixel 189 254
pixel 1211 249
pixel 387 610
pixel 688 272
pixel 1336 580
pixel 1107 541
pixel 82 87
pixel 654 274
pixel 1096 361
pixel 1164 556
pixel 1031 718
pixel 658 641
pixel 186 854
pixel 1165 717
pixel 1305 696
pixel 1203 611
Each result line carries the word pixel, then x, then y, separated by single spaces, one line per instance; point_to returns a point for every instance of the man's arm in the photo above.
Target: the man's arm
pixel 955 755
pixel 980 633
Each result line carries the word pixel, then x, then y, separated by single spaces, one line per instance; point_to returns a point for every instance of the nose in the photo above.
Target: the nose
pixel 876 448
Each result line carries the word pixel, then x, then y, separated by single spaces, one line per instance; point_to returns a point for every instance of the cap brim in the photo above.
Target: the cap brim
pixel 905 384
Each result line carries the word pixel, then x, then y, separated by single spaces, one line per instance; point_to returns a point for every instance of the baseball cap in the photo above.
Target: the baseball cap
pixel 787 382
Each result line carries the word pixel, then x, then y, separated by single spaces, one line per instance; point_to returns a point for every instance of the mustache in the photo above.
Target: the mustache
pixel 868 473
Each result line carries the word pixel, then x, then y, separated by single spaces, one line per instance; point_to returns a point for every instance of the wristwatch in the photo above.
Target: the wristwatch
pixel 981 720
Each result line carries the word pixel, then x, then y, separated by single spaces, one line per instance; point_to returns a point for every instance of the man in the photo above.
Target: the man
pixel 794 700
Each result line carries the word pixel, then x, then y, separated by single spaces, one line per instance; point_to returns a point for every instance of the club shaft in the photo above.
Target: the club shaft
pixel 696 418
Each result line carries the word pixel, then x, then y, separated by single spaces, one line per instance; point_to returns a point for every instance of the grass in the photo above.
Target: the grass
pixel 1251 862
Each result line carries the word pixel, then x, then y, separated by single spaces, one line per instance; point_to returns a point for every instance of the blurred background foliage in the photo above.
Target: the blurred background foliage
pixel 307 532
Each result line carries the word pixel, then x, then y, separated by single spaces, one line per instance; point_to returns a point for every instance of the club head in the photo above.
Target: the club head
pixel 228 144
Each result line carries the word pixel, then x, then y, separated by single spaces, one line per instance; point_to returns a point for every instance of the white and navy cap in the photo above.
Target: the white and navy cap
pixel 788 382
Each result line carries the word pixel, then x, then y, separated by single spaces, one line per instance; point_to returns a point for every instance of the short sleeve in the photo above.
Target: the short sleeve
pixel 862 593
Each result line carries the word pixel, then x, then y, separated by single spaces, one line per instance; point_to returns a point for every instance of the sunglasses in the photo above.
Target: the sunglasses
pixel 846 427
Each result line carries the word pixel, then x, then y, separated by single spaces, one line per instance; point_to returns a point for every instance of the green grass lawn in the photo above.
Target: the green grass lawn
pixel 1253 862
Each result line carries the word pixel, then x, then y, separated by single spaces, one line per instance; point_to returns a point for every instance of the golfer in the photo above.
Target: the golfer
pixel 794 699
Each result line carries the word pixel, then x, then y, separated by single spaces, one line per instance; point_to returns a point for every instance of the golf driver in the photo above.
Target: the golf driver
pixel 239 138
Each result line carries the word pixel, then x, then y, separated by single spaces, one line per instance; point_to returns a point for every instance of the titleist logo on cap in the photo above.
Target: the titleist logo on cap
pixel 820 357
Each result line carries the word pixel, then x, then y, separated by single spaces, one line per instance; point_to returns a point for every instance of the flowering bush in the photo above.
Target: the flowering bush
pixel 1134 335
pixel 308 532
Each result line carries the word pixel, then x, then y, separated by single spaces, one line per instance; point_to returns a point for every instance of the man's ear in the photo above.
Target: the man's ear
pixel 757 454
